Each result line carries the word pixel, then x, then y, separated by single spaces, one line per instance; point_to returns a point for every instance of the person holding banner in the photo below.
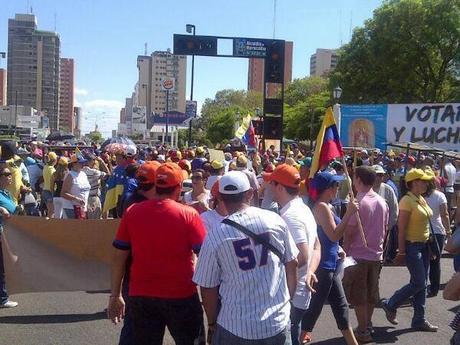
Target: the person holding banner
pixel 7 207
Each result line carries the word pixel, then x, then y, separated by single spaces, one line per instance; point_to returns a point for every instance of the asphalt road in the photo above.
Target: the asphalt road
pixel 78 318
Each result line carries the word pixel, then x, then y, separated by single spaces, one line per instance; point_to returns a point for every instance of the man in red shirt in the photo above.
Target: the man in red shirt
pixel 162 236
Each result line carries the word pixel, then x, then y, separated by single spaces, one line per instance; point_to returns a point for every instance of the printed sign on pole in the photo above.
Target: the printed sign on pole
pixel 168 84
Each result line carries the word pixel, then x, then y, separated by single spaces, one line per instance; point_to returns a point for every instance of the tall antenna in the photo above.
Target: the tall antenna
pixel 55 22
pixel 145 48
pixel 28 5
pixel 274 19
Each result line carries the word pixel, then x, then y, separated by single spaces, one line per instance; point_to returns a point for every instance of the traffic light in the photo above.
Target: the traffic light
pixel 273 127
pixel 195 45
pixel 274 62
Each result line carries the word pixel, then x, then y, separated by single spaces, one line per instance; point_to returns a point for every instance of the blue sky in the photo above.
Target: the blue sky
pixel 105 37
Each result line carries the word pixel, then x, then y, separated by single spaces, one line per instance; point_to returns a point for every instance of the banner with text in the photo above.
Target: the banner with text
pixel 430 124
pixel 370 126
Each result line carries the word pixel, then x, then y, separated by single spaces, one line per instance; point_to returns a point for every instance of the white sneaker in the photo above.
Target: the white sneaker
pixel 9 304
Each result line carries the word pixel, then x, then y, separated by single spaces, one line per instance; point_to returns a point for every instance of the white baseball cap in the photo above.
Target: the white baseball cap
pixel 378 169
pixel 131 150
pixel 234 182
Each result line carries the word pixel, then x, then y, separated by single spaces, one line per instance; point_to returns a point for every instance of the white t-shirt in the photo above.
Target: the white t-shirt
pixel 80 188
pixel 211 219
pixel 451 173
pixel 188 200
pixel 211 180
pixel 252 279
pixel 302 226
pixel 435 200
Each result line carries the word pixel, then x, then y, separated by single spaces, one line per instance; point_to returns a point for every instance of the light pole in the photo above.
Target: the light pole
pixel 191 30
pixel 337 94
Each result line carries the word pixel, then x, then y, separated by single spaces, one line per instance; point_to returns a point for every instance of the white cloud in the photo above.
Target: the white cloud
pixel 104 104
pixel 81 92
pixel 104 112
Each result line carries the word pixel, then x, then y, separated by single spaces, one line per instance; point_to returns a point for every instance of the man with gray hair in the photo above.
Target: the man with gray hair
pixel 249 260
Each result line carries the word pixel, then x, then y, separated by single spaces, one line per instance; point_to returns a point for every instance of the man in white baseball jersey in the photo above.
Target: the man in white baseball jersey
pixel 253 269
pixel 285 181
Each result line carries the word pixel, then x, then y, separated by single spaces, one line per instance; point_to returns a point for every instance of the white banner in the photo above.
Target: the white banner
pixel 436 125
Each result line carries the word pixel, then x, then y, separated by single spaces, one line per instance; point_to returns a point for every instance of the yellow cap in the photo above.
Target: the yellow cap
pixel 52 156
pixel 418 174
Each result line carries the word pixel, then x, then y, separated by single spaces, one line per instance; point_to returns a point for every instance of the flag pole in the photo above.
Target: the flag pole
pixel 352 199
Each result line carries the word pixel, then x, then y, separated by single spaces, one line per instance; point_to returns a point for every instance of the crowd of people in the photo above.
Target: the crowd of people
pixel 266 244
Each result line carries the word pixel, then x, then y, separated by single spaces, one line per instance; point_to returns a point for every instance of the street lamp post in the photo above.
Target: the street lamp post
pixel 337 94
pixel 191 30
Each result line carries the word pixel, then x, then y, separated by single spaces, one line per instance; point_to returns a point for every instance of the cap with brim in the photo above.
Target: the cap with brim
pixel 77 159
pixel 216 165
pixel 417 174
pixel 147 172
pixel 234 182
pixel 286 175
pixel 168 175
pixel 306 162
pixel 322 181
pixel 378 169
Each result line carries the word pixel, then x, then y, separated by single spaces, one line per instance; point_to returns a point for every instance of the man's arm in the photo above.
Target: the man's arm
pixel 116 308
pixel 210 298
pixel 291 276
pixel 314 263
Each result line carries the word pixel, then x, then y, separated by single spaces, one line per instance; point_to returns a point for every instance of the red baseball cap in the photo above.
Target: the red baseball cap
pixel 147 171
pixel 286 175
pixel 168 175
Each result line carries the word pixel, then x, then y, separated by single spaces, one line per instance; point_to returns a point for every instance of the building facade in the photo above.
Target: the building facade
pixel 33 67
pixel 323 62
pixel 256 71
pixel 66 95
pixel 2 86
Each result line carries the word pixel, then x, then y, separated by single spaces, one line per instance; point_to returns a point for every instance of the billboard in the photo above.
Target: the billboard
pixel 437 125
pixel 174 118
pixel 363 125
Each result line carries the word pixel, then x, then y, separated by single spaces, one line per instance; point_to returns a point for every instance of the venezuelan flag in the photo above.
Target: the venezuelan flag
pixel 115 187
pixel 328 145
pixel 249 138
pixel 241 131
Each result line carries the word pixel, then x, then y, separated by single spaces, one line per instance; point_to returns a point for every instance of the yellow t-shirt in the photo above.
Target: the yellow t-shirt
pixel 48 171
pixel 418 228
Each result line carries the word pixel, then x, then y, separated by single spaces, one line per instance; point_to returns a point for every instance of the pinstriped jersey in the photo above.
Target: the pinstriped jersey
pixel 252 279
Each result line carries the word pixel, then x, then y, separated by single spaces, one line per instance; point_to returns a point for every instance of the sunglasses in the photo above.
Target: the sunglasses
pixel 6 174
pixel 197 178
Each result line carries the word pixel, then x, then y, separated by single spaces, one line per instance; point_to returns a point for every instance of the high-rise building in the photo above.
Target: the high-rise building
pixel 256 72
pixel 2 86
pixel 152 69
pixel 323 62
pixel 33 67
pixel 66 95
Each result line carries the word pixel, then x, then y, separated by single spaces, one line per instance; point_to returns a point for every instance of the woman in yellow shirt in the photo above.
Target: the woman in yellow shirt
pixel 414 233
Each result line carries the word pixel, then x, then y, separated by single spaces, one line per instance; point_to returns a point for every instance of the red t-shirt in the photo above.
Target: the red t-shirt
pixel 161 235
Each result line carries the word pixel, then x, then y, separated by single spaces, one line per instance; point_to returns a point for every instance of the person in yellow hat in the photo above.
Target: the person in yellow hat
pixel 216 171
pixel 48 171
pixel 414 234
pixel 199 160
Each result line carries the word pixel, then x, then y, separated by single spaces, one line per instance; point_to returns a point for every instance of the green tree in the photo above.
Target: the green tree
pixel 406 53
pixel 95 137
pixel 306 100
pixel 219 115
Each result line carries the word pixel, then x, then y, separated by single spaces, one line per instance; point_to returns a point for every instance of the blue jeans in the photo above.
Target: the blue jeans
pixel 417 261
pixel 3 292
pixel 223 337
pixel 296 319
pixel 435 266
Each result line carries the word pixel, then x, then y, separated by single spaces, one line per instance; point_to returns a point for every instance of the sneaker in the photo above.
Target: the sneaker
pixel 426 327
pixel 363 337
pixel 370 328
pixel 390 315
pixel 9 304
